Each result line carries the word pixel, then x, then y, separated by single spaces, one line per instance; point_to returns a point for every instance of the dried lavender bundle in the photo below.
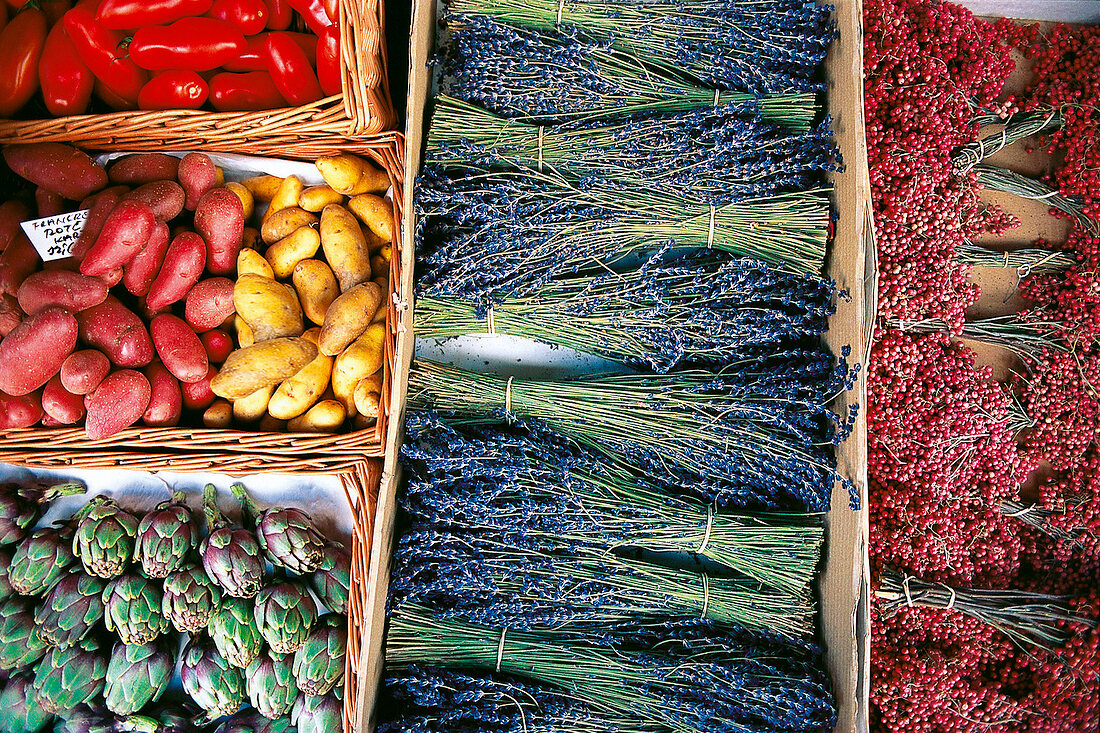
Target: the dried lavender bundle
pixel 701 308
pixel 708 153
pixel 760 45
pixel 551 77
pixel 744 430
pixel 539 486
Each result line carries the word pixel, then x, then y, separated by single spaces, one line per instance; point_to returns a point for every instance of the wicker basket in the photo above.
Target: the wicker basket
pixel 257 450
pixel 364 108
pixel 360 480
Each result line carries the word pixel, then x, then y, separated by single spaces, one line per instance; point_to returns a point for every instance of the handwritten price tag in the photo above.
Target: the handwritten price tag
pixel 55 236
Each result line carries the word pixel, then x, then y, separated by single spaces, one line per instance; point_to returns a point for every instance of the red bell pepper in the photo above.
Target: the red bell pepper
pixel 198 44
pixel 54 9
pixel 248 16
pixel 254 56
pixel 21 44
pixel 313 13
pixel 66 81
pixel 291 71
pixel 249 92
pixel 112 99
pixel 329 70
pixel 102 51
pixel 279 15
pixel 123 14
pixel 174 89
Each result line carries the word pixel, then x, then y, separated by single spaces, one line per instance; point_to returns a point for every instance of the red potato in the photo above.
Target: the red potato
pixel 35 349
pixel 60 168
pixel 20 412
pixel 117 331
pixel 69 264
pixel 198 395
pixel 165 400
pixel 183 265
pixel 142 270
pixel 48 203
pixel 99 208
pixel 136 170
pixel 127 229
pixel 166 198
pixel 219 218
pixel 62 405
pixel 69 290
pixel 197 175
pixel 10 314
pixel 49 422
pixel 83 370
pixel 218 344
pixel 12 214
pixel 179 348
pixel 117 403
pixel 114 277
pixel 17 262
pixel 209 303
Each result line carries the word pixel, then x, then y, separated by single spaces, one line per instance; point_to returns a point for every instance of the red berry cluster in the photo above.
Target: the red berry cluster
pixel 1057 393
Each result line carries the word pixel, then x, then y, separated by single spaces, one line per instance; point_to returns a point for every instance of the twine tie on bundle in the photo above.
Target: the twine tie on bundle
pixel 500 647
pixel 716 93
pixel 542 131
pixel 490 325
pixel 706 595
pixel 1022 512
pixel 706 534
pixel 951 603
pixel 561 7
pixel 508 402
pixel 710 229
pixel 905 587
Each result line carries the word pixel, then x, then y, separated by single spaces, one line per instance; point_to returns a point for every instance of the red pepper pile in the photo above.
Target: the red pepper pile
pixel 951 450
pixel 231 55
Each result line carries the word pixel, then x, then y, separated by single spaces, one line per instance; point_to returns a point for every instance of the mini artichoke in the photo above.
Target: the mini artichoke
pixel 104 539
pixel 287 536
pixel 68 677
pixel 132 609
pixel 319 661
pixel 318 714
pixel 250 721
pixel 41 560
pixel 20 646
pixel 165 537
pixel 165 721
pixel 84 720
pixel 21 506
pixel 211 681
pixel 231 557
pixel 190 599
pixel 21 712
pixel 332 580
pixel 71 609
pixel 285 614
pixel 234 631
pixel 136 676
pixel 6 591
pixel 271 687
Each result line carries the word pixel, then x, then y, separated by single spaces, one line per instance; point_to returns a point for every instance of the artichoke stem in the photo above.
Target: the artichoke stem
pixel 214 517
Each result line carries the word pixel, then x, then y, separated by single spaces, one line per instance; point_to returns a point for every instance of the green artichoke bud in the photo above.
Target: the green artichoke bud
pixel 166 721
pixel 84 720
pixel 21 506
pixel 104 539
pixel 136 676
pixel 20 646
pixel 6 591
pixel 319 661
pixel 68 677
pixel 165 537
pixel 285 614
pixel 21 712
pixel 231 557
pixel 318 714
pixel 132 609
pixel 287 536
pixel 271 686
pixel 211 681
pixel 332 581
pixel 190 599
pixel 70 610
pixel 234 631
pixel 40 561
pixel 251 721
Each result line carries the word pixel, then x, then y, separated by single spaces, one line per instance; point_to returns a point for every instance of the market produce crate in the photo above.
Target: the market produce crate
pixel 328 487
pixel 844 580
pixel 386 152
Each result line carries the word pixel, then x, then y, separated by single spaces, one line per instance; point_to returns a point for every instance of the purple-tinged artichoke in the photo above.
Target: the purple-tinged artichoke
pixel 20 646
pixel 41 560
pixel 271 687
pixel 287 536
pixel 70 610
pixel 69 677
pixel 318 714
pixel 250 721
pixel 234 631
pixel 332 580
pixel 132 609
pixel 165 721
pixel 319 661
pixel 104 539
pixel 212 682
pixel 190 599
pixel 21 712
pixel 137 676
pixel 231 556
pixel 21 506
pixel 6 591
pixel 165 537
pixel 84 720
pixel 285 614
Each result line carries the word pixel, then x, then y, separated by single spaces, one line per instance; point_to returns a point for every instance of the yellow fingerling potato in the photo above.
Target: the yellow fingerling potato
pixel 324 417
pixel 317 288
pixel 263 188
pixel 251 262
pixel 316 198
pixel 219 177
pixel 298 393
pixel 367 401
pixel 301 244
pixel 270 308
pixel 290 189
pixel 248 202
pixel 218 415
pixel 345 247
pixel 362 422
pixel 379 266
pixel 251 408
pixel 383 284
pixel 360 360
pixel 373 382
pixel 376 212
pixel 351 175
pixel 269 424
pixel 261 365
pixel 245 337
pixel 283 223
pixel 251 238
pixel 348 317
